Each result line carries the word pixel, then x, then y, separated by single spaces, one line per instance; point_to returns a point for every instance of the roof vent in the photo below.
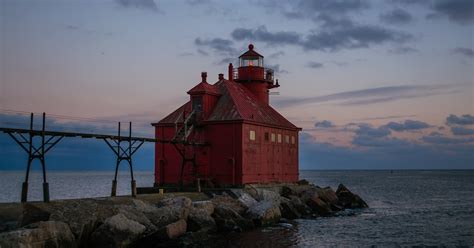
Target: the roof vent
pixel 221 76
pixel 204 76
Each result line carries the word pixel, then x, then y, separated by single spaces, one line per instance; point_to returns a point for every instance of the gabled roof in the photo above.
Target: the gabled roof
pixel 236 103
pixel 204 87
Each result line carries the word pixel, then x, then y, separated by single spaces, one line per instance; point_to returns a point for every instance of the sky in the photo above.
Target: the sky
pixel 373 84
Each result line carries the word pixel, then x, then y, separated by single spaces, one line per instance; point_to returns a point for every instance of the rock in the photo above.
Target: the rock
pixel 200 219
pixel 349 200
pixel 229 202
pixel 303 182
pixel 247 200
pixel 300 206
pixel 179 201
pixel 165 215
pixel 296 190
pixel 208 206
pixel 40 234
pixel 328 195
pixel 132 213
pixel 82 216
pixel 171 210
pixel 117 231
pixel 264 213
pixel 287 209
pixel 319 206
pixel 31 214
pixel 163 237
pixel 268 195
pixel 227 219
pixel 287 191
pixel 175 229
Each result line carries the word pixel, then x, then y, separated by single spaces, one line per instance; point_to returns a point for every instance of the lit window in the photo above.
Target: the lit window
pixel 287 139
pixel 279 138
pixel 252 135
pixel 273 137
pixel 293 140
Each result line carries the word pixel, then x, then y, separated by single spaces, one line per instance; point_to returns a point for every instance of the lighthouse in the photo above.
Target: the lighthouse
pixel 227 134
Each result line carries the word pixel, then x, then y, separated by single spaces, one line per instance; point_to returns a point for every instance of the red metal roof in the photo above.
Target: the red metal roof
pixel 236 103
pixel 251 53
pixel 204 87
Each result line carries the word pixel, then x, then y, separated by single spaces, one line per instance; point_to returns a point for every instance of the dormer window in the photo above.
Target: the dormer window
pixel 197 103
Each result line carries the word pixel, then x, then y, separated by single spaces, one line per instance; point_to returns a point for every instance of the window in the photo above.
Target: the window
pixel 279 138
pixel 293 140
pixel 287 139
pixel 267 136
pixel 273 137
pixel 197 104
pixel 252 135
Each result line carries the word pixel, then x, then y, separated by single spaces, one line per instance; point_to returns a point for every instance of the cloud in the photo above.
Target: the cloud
pixel 468 52
pixel 443 140
pixel 303 9
pixel 407 125
pixel 460 120
pixel 139 4
pixel 396 16
pixel 402 50
pixel 371 95
pixel 330 39
pixel 367 130
pixel 263 35
pixel 462 131
pixel 314 65
pixel 459 11
pixel 385 117
pixel 324 124
pixel 218 45
pixel 276 55
pixel 277 69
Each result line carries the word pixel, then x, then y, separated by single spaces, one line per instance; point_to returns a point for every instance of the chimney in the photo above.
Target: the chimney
pixel 221 76
pixel 204 76
pixel 231 72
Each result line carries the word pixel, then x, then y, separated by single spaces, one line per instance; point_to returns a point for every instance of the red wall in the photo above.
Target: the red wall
pixel 231 158
pixel 268 161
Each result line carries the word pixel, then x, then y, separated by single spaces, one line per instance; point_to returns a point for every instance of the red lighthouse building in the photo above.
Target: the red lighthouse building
pixel 227 133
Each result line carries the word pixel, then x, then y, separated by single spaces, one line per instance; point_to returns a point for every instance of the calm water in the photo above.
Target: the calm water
pixel 407 208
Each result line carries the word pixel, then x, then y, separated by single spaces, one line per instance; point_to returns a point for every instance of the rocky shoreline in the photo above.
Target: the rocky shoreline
pixel 175 219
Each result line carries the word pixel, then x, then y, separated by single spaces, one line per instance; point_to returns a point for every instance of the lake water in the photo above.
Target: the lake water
pixel 407 208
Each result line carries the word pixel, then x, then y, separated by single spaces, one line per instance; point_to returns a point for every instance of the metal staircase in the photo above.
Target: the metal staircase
pixel 187 128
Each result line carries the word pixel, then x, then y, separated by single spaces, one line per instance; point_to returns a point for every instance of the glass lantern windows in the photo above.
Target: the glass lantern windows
pixel 251 61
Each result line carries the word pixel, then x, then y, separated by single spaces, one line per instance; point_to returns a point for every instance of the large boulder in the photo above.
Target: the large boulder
pixel 303 209
pixel 163 237
pixel 328 195
pixel 82 216
pixel 200 219
pixel 135 214
pixel 31 214
pixel 288 211
pixel 169 210
pixel 40 234
pixel 347 199
pixel 264 213
pixel 116 231
pixel 228 219
pixel 247 200
pixel 229 202
pixel 208 206
pixel 319 206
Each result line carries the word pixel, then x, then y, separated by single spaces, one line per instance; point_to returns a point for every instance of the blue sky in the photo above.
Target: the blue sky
pixel 373 84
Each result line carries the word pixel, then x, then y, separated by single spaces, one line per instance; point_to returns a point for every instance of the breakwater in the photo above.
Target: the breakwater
pixel 174 219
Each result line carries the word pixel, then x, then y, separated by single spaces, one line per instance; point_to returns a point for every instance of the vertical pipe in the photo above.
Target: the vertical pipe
pixel 133 183
pixel 43 163
pixel 24 187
